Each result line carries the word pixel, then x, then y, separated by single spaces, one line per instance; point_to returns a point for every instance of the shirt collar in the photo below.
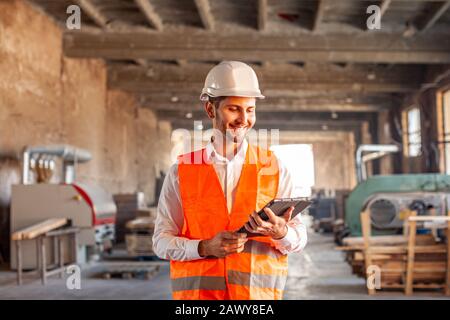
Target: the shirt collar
pixel 213 155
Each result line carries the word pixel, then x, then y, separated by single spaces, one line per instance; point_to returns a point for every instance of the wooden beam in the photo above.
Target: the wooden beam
pixel 319 15
pixel 276 116
pixel 150 13
pixel 325 103
pixel 204 10
pixel 284 78
pixel 348 126
pixel 368 48
pixel 262 15
pixel 93 12
pixel 433 16
pixel 384 6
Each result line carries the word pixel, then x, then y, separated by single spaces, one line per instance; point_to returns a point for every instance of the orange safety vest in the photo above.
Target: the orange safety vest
pixel 260 271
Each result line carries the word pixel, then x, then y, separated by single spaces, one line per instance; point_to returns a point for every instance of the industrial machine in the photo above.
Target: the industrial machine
pixel 389 197
pixel 88 207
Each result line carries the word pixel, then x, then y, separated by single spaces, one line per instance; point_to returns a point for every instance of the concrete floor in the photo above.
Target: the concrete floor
pixel 320 272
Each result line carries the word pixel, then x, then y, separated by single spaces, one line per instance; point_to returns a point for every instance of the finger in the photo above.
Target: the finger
pixel 234 241
pixel 260 222
pixel 263 231
pixel 257 218
pixel 287 215
pixel 241 235
pixel 248 227
pixel 271 215
pixel 230 235
pixel 231 247
pixel 252 223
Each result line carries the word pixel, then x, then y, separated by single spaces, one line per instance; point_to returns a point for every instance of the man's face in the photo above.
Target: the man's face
pixel 234 116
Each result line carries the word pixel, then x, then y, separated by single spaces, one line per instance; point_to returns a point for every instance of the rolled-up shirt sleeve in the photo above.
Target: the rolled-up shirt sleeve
pixel 296 237
pixel 167 244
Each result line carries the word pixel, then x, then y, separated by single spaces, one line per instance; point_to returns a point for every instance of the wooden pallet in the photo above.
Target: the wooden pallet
pixel 130 269
pixel 407 266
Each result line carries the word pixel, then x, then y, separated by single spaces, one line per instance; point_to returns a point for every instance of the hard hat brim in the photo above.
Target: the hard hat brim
pixel 230 93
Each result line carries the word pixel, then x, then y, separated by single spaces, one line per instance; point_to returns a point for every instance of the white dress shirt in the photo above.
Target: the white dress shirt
pixel 167 243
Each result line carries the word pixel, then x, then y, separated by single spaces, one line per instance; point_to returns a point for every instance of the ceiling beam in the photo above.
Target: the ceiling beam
pixel 93 12
pixel 384 6
pixel 366 48
pixel 277 116
pixel 348 126
pixel 325 103
pixel 262 15
pixel 150 13
pixel 433 16
pixel 204 10
pixel 283 79
pixel 319 15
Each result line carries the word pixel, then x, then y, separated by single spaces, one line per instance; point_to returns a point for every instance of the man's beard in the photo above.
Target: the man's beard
pixel 236 135
pixel 229 138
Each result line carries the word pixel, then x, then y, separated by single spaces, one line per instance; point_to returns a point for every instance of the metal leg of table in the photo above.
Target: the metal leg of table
pixel 44 261
pixel 61 255
pixel 19 261
pixel 38 256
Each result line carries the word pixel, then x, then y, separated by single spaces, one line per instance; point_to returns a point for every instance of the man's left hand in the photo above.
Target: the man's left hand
pixel 275 227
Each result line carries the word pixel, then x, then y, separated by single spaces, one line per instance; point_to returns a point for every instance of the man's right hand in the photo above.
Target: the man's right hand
pixel 222 244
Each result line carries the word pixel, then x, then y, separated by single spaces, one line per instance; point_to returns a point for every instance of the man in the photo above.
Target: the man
pixel 210 193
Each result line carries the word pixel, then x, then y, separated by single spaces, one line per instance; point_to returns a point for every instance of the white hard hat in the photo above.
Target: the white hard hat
pixel 231 78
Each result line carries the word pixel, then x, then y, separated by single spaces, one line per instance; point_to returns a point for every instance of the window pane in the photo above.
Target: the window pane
pixel 446 114
pixel 414 133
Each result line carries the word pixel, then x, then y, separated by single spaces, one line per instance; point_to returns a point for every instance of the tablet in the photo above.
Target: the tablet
pixel 279 206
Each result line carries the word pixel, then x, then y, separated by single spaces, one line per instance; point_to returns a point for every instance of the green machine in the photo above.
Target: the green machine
pixel 386 196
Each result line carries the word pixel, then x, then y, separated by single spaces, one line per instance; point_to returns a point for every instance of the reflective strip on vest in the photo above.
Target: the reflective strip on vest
pixel 199 283
pixel 256 247
pixel 256 280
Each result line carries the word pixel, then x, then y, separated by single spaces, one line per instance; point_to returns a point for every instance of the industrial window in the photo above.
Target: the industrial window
pixel 412 137
pixel 299 161
pixel 446 133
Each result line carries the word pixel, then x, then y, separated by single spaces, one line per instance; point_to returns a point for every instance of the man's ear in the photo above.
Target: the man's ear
pixel 209 108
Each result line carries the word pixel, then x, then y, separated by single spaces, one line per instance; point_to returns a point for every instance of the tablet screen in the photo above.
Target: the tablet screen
pixel 279 206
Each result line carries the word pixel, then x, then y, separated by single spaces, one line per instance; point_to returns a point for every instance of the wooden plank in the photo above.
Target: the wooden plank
pixel 447 278
pixel 365 224
pixel 370 48
pixel 411 247
pixel 376 240
pixel 155 78
pixel 204 10
pixel 93 12
pixel 384 6
pixel 150 13
pixel 430 218
pixel 39 229
pixel 318 15
pixel 262 15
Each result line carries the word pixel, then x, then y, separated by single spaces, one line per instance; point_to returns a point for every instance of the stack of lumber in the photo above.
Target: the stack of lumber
pixel 390 254
pixel 128 206
pixel 39 229
pixel 139 237
pixel 406 262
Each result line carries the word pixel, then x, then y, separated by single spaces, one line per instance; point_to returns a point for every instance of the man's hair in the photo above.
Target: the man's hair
pixel 215 101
